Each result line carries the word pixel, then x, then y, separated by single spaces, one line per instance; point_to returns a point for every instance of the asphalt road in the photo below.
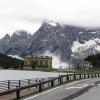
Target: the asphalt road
pixel 87 89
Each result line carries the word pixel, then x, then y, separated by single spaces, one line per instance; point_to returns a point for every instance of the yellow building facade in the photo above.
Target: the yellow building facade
pixel 43 62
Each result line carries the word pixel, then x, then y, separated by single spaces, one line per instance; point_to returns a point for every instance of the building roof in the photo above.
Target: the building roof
pixel 86 61
pixel 39 57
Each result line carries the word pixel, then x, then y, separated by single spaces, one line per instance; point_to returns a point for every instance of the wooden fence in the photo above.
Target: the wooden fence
pixel 10 84
pixel 41 83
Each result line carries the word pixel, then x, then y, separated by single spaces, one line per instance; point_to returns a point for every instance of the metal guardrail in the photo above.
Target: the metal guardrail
pixel 39 84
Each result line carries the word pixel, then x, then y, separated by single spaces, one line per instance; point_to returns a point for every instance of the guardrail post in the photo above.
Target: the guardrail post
pixel 74 76
pixel 95 75
pixel 52 83
pixel 60 79
pixel 79 76
pixel 8 84
pixel 28 83
pixel 36 82
pixel 40 88
pixel 19 83
pixel 84 76
pixel 17 94
pixel 68 77
pixel 88 75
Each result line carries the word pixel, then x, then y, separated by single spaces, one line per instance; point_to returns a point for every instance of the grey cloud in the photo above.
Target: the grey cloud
pixel 32 12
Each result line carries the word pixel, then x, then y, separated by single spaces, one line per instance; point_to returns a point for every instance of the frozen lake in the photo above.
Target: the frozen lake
pixel 22 74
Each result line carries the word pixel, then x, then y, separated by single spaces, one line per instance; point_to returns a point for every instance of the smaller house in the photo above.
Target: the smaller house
pixel 60 69
pixel 86 65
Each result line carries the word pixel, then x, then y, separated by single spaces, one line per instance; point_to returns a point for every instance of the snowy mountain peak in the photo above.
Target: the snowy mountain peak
pixel 50 22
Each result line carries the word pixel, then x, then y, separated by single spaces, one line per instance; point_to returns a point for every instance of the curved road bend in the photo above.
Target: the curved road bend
pixel 87 89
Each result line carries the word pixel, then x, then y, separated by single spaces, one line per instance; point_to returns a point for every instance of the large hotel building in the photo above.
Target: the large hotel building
pixel 43 62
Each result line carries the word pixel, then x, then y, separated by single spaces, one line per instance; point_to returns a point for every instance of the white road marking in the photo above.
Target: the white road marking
pixel 93 84
pixel 84 85
pixel 54 89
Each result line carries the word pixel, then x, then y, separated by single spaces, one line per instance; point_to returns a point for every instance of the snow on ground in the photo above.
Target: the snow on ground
pixel 88 44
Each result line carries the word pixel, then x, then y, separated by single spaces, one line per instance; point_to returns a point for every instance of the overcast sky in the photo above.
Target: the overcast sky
pixel 29 14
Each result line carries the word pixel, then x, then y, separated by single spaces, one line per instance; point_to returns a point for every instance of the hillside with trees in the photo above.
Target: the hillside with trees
pixel 7 62
pixel 95 60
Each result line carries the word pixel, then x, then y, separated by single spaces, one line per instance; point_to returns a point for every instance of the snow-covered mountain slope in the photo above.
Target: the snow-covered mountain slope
pixel 87 48
pixel 92 43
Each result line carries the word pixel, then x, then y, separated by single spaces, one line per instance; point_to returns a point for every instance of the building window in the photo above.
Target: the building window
pixel 40 63
pixel 36 62
pixel 46 62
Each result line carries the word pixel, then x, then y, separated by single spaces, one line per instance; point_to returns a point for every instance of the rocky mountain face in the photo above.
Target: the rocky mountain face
pixel 17 38
pixel 70 42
